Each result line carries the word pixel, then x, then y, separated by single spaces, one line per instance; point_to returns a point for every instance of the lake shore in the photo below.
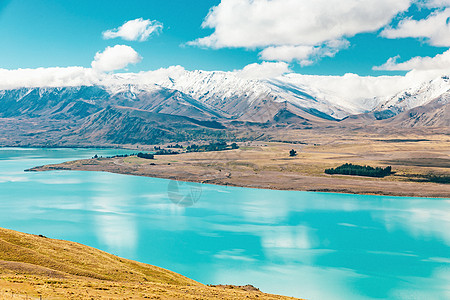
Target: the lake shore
pixel 268 166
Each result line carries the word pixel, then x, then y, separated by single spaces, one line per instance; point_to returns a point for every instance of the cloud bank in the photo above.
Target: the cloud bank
pixel 135 30
pixel 438 62
pixel 298 30
pixel 111 59
pixel 47 77
pixel 350 89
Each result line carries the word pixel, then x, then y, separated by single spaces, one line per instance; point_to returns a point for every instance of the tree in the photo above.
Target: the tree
pixel 350 169
pixel 292 152
pixel 145 155
pixel 234 146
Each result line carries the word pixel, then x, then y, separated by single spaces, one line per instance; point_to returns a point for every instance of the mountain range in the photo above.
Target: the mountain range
pixel 189 105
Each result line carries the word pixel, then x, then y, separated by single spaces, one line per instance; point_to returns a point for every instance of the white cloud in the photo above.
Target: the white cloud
pixel 263 70
pixel 134 30
pixel 47 77
pixel 305 55
pixel 289 53
pixel 115 58
pixel 351 88
pixel 435 28
pixel 292 29
pixel 438 62
pixel 112 58
pixel 434 3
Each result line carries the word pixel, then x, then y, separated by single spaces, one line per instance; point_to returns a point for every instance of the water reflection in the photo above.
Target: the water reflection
pixel 421 222
pixel 312 245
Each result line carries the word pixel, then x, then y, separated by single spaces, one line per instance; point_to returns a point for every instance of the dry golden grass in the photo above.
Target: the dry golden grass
pixel 268 165
pixel 34 267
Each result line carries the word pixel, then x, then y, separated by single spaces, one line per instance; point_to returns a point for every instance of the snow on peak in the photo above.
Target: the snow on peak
pixel 233 93
pixel 419 95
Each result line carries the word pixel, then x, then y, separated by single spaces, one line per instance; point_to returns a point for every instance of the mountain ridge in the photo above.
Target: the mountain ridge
pixel 202 105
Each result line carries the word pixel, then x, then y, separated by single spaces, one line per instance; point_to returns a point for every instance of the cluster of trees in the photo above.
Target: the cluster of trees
pixel 114 156
pixel 350 169
pixel 145 155
pixel 292 152
pixel 436 178
pixel 175 146
pixel 218 146
pixel 212 146
pixel 166 152
pixel 140 154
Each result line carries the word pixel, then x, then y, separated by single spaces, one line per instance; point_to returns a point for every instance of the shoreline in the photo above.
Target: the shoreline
pixel 325 190
pixel 273 180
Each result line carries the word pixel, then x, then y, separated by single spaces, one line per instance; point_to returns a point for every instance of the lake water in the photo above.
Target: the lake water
pixel 312 245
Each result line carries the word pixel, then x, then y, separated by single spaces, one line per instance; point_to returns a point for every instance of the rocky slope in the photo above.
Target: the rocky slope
pixel 428 95
pixel 424 106
pixel 184 105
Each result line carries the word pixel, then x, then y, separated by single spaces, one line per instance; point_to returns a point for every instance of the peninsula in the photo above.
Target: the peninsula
pixel 269 165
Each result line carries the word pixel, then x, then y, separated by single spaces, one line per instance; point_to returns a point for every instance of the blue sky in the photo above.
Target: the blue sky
pixel 52 33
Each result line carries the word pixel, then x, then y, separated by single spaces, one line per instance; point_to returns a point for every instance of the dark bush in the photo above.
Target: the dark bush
pixel 145 155
pixel 437 178
pixel 166 152
pixel 218 146
pixel 350 169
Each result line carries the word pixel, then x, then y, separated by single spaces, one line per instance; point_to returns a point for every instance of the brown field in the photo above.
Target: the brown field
pixel 36 267
pixel 268 165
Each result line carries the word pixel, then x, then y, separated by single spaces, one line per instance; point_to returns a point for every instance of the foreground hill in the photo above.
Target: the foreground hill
pixel 36 266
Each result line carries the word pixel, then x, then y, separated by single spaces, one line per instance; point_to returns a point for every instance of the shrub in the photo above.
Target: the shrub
pixel 350 169
pixel 437 178
pixel 145 155
pixel 218 146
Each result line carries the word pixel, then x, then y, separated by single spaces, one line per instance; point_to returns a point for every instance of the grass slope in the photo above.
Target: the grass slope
pixel 36 267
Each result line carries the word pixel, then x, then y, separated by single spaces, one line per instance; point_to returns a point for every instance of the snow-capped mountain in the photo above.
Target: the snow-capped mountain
pixel 180 105
pixel 237 97
pixel 437 90
pixel 221 95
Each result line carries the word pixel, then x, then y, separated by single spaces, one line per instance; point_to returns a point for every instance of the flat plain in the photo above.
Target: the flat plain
pixel 268 164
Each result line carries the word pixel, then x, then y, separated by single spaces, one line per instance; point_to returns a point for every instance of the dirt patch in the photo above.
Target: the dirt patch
pixel 421 162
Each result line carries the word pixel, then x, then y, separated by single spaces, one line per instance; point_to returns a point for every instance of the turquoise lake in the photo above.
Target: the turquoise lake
pixel 304 244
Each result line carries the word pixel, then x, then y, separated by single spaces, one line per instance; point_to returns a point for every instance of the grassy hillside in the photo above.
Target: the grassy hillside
pixel 34 267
